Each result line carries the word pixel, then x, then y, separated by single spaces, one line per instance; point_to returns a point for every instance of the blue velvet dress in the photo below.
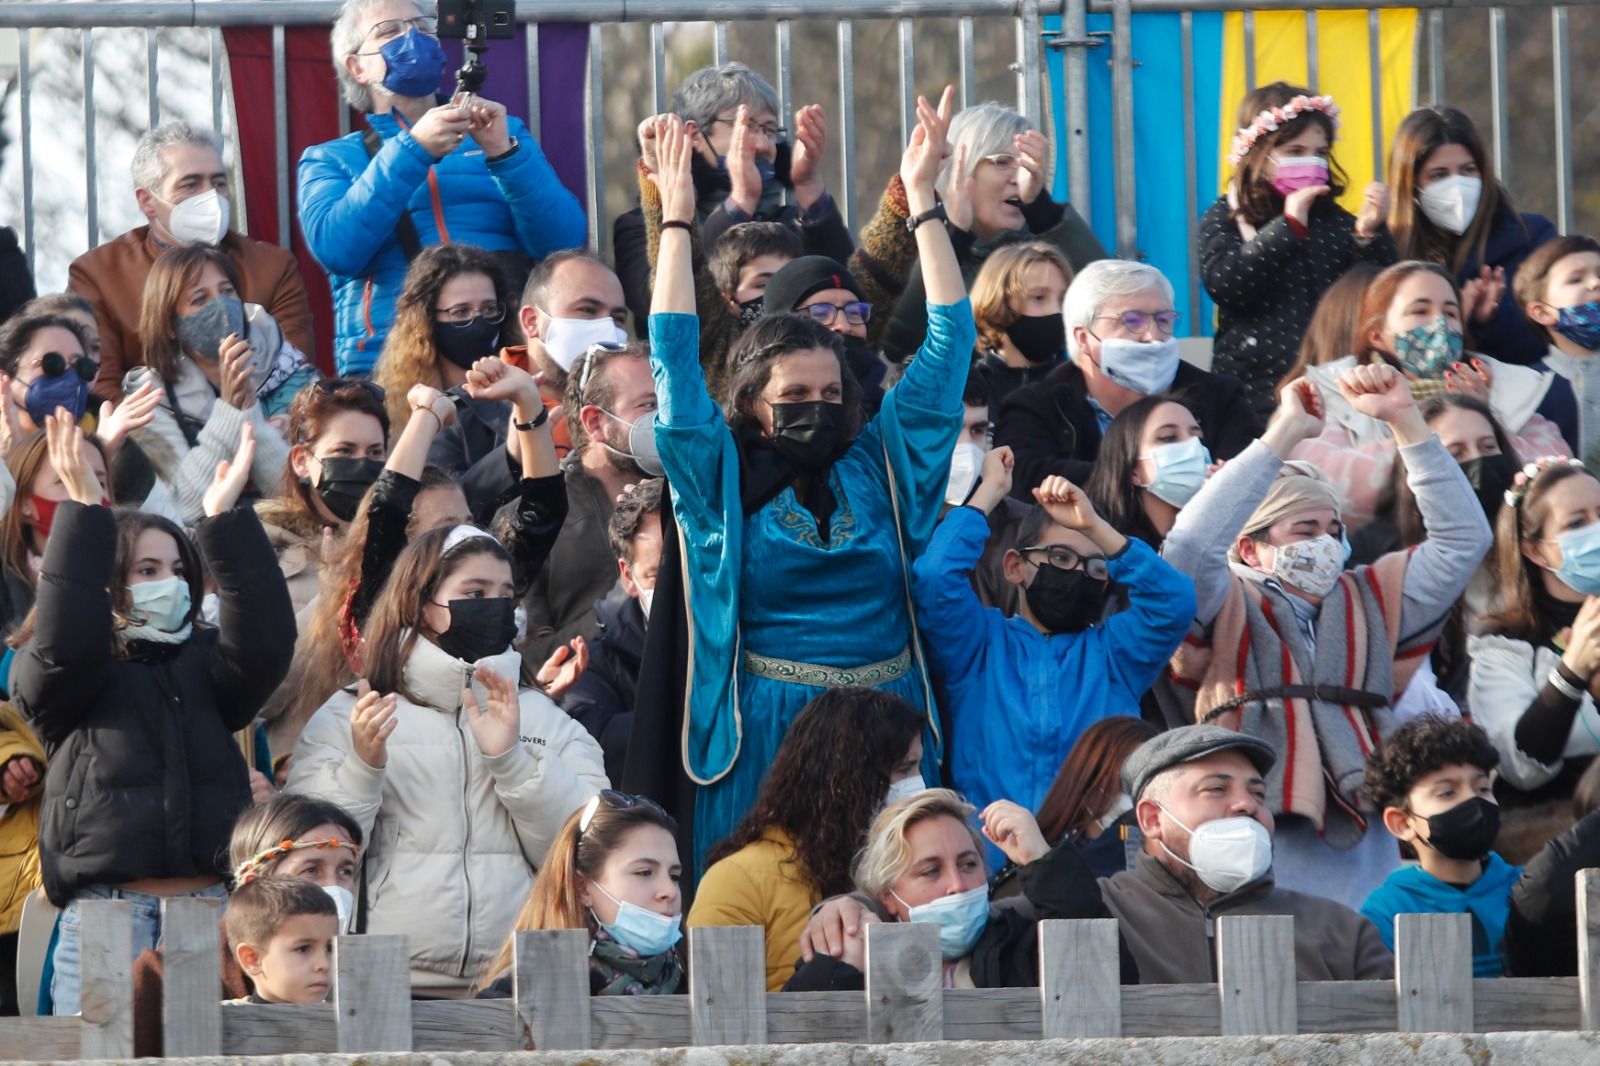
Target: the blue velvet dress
pixel 769 584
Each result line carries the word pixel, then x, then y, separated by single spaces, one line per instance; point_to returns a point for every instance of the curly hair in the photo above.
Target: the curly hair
pixel 409 354
pixel 643 501
pixel 827 782
pixel 1420 747
pixel 757 351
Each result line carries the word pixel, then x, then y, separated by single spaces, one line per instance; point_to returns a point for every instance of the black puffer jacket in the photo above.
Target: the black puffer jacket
pixel 145 779
pixel 602 699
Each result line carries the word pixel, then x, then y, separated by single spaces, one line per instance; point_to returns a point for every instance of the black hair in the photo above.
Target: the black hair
pixel 1420 747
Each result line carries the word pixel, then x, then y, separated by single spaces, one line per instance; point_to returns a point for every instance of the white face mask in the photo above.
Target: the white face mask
pixel 1146 367
pixel 646 596
pixel 1123 805
pixel 1226 853
pixel 1312 566
pixel 345 903
pixel 203 218
pixel 1451 203
pixel 567 339
pixel 904 788
pixel 966 466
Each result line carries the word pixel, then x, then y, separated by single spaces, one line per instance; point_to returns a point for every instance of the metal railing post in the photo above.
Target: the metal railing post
pixel 594 138
pixel 847 123
pixel 1122 128
pixel 91 184
pixel 1497 89
pixel 1561 75
pixel 1029 64
pixel 1075 62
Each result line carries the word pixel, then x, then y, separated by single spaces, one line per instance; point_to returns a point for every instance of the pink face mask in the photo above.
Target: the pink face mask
pixel 1299 172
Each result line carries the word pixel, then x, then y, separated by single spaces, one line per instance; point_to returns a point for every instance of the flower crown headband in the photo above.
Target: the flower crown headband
pixel 1525 477
pixel 1273 117
pixel 252 868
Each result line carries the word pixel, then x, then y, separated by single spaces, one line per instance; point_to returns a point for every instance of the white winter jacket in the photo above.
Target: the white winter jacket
pixel 453 838
pixel 1506 675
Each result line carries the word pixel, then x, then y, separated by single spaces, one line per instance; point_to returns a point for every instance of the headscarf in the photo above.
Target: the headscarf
pixel 1300 487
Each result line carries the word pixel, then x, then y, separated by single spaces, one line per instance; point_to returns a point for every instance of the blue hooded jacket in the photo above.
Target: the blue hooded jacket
pixel 350 205
pixel 1413 890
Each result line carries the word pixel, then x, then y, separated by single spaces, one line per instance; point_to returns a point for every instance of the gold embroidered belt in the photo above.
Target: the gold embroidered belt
pixel 868 676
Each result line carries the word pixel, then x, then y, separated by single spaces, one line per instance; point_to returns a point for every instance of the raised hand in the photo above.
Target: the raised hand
pixel 372 721
pixel 1298 417
pixel 1066 503
pixel 134 412
pixel 919 165
pixel 492 378
pixel 1470 378
pixel 1297 205
pixel 64 441
pixel 1377 390
pixel 495 724
pixel 562 670
pixel 10 422
pixel 1582 655
pixel 810 146
pixel 675 172
pixel 234 360
pixel 743 175
pixel 232 475
pixel 1033 156
pixel 958 191
pixel 427 398
pixel 647 145
pixel 994 481
pixel 1374 210
pixel 1013 830
pixel 1480 296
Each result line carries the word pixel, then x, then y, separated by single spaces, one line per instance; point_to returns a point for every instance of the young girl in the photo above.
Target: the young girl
pixel 1449 209
pixel 1016 303
pixel 1152 461
pixel 219 364
pixel 1411 320
pixel 458 778
pixel 137 701
pixel 1279 238
pixel 613 871
pixel 1535 666
pixel 338 431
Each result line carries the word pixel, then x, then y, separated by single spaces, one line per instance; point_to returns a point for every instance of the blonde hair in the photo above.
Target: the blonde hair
pixel 1001 281
pixel 887 852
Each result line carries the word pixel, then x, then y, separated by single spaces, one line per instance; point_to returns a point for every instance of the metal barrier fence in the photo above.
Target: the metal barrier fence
pixel 1073 39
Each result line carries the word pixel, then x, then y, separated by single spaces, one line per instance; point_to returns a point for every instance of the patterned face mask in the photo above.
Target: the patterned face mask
pixel 1429 350
pixel 1581 325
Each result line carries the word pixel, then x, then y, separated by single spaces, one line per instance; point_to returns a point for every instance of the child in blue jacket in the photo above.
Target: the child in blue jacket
pixel 1019 691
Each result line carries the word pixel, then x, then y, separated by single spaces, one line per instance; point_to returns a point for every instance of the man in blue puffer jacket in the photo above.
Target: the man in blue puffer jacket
pixel 469 175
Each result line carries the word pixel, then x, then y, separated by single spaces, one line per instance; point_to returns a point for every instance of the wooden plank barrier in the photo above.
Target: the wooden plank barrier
pixel 550 1008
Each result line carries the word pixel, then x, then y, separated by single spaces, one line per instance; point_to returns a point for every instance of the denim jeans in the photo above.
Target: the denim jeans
pixel 68 960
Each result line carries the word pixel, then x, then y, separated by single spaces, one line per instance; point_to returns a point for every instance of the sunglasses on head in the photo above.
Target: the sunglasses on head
pixel 331 386
pixel 617 801
pixel 598 349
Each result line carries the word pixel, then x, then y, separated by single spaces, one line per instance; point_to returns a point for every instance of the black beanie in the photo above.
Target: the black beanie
pixel 803 277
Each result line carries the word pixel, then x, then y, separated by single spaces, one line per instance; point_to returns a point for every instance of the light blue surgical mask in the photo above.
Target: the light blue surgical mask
pixel 1180 470
pixel 162 604
pixel 644 932
pixel 960 918
pixel 1580 559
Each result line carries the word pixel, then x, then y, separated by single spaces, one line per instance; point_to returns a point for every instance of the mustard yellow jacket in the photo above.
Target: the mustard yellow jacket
pixel 19 825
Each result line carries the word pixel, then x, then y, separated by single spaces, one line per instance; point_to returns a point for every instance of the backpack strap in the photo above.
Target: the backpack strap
pixel 405 230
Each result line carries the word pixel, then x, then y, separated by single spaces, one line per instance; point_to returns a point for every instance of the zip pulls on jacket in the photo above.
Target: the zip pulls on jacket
pixel 462 730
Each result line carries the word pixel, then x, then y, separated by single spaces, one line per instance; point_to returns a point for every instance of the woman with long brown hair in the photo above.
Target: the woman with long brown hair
pixel 614 872
pixel 25 529
pixel 1450 209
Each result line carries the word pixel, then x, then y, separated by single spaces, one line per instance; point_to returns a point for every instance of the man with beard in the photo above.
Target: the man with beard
pixel 611 399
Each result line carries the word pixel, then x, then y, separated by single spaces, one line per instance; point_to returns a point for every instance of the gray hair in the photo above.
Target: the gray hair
pixel 1103 279
pixel 710 91
pixel 149 168
pixel 346 41
pixel 985 129
pixel 1159 788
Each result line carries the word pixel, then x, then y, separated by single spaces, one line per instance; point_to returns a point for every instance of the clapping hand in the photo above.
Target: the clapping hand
pixel 810 146
pixel 64 439
pixel 562 670
pixel 372 720
pixel 232 475
pixel 1033 154
pixel 134 412
pixel 495 723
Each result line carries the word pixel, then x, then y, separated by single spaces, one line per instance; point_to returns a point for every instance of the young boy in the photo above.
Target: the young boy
pixel 744 259
pixel 1431 779
pixel 281 930
pixel 1558 287
pixel 1020 690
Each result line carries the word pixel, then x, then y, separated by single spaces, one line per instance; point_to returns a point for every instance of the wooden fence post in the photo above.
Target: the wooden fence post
pixel 550 980
pixel 905 997
pixel 372 993
pixel 105 952
pixel 1080 978
pixel 191 984
pixel 1589 949
pixel 1433 972
pixel 728 985
pixel 1256 975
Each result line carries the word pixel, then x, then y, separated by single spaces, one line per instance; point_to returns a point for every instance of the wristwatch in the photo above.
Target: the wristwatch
pixel 934 212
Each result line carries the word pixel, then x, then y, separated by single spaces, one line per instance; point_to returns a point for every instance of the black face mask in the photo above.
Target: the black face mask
pixel 749 311
pixel 1040 338
pixel 1465 831
pixel 466 344
pixel 1065 601
pixel 479 628
pixel 344 482
pixel 1490 476
pixel 807 434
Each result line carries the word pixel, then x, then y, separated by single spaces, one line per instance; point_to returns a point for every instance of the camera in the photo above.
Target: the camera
pixel 477 22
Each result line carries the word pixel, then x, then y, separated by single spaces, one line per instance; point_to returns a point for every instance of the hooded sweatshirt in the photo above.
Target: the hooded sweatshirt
pixel 1413 890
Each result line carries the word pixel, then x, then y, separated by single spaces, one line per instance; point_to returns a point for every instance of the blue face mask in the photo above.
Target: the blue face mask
pixel 59 385
pixel 961 919
pixel 641 931
pixel 162 604
pixel 416 63
pixel 1580 324
pixel 1428 350
pixel 1180 470
pixel 1580 559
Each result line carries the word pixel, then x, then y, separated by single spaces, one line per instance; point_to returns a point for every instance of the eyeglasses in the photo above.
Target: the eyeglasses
pixel 463 314
pixel 334 386
pixel 1064 558
pixel 594 356
pixel 617 801
pixel 1004 162
pixel 766 129
pixel 1141 321
pixel 856 312
pixel 387 30
pixel 54 364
